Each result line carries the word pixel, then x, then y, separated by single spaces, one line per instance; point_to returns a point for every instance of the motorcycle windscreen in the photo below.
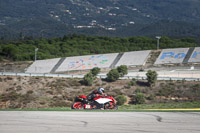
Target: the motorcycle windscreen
pixel 103 100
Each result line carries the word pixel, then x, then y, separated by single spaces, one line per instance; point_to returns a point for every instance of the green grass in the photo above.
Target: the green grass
pixel 184 105
pixel 40 109
pixel 128 108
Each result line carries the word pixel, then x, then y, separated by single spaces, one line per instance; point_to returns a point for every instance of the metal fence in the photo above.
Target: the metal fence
pixel 102 76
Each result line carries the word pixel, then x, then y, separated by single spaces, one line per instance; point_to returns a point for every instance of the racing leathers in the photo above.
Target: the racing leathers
pixel 96 93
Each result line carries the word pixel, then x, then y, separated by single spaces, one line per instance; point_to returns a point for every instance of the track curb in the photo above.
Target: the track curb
pixel 189 109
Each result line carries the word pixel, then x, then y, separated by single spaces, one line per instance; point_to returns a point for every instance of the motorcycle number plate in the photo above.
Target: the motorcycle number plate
pixel 87 106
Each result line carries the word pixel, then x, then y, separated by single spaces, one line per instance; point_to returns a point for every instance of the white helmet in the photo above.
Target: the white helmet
pixel 100 90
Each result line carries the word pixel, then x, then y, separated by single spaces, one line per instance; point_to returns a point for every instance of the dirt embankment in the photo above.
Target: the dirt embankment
pixel 18 66
pixel 42 92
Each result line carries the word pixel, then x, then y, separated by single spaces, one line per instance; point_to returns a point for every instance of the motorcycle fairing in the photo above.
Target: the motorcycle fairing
pixel 101 100
pixel 82 96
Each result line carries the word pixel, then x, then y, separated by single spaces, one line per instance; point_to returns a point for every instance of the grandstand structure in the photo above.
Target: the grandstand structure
pixel 113 60
pixel 134 58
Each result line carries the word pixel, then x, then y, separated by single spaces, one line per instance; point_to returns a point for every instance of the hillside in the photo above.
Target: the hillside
pixel 52 18
pixel 40 92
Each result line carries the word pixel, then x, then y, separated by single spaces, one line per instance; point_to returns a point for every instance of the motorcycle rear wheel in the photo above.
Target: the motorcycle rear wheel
pixel 77 105
pixel 115 107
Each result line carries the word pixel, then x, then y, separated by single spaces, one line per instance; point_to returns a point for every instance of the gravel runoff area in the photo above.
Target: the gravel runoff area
pixel 98 122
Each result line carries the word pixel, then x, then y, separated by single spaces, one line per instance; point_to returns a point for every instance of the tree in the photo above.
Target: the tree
pixel 151 77
pixel 88 79
pixel 20 36
pixel 123 70
pixel 78 45
pixel 113 75
pixel 95 71
pixel 10 51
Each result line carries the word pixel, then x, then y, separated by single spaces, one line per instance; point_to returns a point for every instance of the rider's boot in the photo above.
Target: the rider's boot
pixel 102 106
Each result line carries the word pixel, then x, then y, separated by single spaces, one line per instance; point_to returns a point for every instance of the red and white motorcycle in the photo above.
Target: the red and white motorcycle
pixel 81 102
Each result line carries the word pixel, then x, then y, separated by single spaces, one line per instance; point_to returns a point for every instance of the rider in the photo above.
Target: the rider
pixel 96 93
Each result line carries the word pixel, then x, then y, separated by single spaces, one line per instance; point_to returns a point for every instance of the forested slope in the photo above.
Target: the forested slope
pixel 122 18
pixel 75 45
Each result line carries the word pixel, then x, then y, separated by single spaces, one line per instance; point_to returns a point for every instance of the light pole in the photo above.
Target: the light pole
pixel 158 38
pixel 36 49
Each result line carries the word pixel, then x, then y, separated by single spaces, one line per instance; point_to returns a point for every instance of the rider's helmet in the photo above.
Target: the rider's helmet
pixel 100 90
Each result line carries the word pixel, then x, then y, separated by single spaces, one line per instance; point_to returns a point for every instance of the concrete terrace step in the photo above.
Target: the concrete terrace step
pixel 116 60
pixel 57 65
pixel 187 57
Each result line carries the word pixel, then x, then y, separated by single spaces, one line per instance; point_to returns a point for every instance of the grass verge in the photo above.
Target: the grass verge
pixel 170 107
pixel 184 105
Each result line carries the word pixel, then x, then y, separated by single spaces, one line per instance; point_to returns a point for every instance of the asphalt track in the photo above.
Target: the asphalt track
pixel 99 122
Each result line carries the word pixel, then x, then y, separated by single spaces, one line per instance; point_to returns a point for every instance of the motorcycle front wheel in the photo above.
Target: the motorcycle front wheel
pixel 77 105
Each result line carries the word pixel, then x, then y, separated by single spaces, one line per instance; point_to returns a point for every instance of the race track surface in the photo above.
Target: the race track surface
pixel 99 122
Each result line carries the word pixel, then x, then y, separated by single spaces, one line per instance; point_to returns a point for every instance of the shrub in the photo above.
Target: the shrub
pixel 133 82
pixel 123 70
pixel 151 77
pixel 121 99
pixel 95 71
pixel 138 90
pixel 151 97
pixel 140 98
pixel 113 75
pixel 195 89
pixel 88 79
pixel 128 86
pixel 166 91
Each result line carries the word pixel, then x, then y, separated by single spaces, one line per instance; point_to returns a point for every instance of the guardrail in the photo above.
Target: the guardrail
pixel 98 76
pixel 41 75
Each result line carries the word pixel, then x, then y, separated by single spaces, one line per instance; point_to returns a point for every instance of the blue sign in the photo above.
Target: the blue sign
pixel 172 55
pixel 195 54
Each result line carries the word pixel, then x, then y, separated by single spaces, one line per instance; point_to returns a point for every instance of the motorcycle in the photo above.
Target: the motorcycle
pixel 81 102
